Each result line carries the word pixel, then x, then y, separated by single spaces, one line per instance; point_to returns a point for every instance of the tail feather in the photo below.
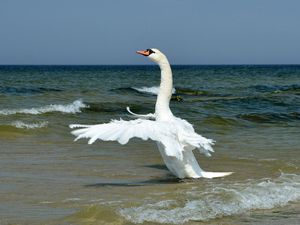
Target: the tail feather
pixel 215 174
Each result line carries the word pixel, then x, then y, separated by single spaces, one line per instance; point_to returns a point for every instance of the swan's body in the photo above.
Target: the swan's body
pixel 175 137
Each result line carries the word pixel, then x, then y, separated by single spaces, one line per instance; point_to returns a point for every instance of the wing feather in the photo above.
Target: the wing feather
pixel 191 140
pixel 122 131
pixel 176 136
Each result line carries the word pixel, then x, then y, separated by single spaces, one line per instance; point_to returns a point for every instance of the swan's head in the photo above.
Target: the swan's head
pixel 153 54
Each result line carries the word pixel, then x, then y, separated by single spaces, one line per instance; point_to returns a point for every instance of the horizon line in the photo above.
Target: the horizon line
pixel 243 64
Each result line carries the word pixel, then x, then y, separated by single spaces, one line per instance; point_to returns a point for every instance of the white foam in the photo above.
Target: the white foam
pixel 22 125
pixel 72 199
pixel 219 201
pixel 150 90
pixel 74 107
pixel 46 202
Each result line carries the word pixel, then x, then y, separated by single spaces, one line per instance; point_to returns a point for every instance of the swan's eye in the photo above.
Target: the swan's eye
pixel 150 51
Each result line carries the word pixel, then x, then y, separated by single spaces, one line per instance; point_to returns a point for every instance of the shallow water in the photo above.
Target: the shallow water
pixel 253 112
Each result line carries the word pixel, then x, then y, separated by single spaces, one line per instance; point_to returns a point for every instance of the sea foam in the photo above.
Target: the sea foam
pixel 74 107
pixel 150 90
pixel 219 201
pixel 22 125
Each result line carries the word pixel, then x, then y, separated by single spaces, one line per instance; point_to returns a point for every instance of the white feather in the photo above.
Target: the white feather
pixel 174 135
pixel 122 131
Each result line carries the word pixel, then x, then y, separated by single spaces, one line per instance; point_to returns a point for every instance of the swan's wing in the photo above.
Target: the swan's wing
pixel 122 131
pixel 146 116
pixel 192 140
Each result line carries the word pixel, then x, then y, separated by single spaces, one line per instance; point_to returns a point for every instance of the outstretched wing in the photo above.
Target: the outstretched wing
pixel 191 140
pixel 122 131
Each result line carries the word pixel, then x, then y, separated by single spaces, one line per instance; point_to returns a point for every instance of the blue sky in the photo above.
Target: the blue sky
pixel 189 32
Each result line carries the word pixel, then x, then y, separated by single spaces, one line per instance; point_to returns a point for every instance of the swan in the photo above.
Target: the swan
pixel 175 137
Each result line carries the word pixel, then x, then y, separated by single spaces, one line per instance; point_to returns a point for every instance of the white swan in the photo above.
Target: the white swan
pixel 175 137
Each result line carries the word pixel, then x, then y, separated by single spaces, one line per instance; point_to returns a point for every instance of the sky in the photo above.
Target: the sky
pixel 101 32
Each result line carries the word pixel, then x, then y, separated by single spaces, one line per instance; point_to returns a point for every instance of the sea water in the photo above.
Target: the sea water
pixel 253 113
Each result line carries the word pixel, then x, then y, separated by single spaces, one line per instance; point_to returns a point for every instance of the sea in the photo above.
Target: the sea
pixel 252 112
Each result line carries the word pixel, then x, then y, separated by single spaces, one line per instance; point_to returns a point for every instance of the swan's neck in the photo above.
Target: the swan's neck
pixel 162 109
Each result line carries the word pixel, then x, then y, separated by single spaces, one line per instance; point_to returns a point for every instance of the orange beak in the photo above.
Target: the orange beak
pixel 143 52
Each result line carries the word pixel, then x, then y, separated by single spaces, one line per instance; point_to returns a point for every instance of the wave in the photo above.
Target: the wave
pixel 22 125
pixel 270 117
pixel 119 107
pixel 220 201
pixel 155 89
pixel 150 90
pixel 193 92
pixel 26 90
pixel 244 119
pixel 74 107
pixel 220 121
pixel 294 88
pixel 178 90
pixel 240 119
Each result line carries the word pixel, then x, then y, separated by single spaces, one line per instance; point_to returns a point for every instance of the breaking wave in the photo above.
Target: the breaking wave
pixel 219 202
pixel 74 107
pixel 22 125
pixel 150 90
